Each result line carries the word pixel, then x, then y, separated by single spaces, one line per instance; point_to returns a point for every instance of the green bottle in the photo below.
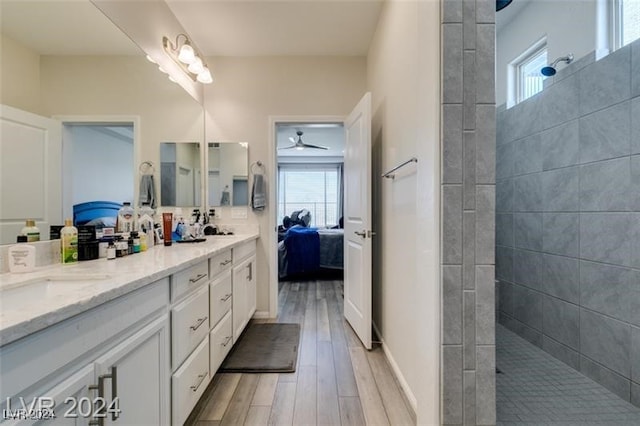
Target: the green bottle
pixel 69 239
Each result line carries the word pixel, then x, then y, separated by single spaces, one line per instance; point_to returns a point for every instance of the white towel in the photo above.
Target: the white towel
pixel 147 191
pixel 258 193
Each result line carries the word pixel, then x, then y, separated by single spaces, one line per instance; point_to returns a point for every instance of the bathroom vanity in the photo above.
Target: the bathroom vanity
pixel 133 341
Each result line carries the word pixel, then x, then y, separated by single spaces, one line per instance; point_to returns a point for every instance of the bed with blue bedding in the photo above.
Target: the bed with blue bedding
pixel 307 251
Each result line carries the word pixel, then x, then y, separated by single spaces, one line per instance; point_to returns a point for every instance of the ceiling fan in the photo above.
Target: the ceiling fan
pixel 299 145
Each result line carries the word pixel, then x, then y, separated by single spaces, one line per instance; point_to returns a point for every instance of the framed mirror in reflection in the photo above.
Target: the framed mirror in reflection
pixel 180 174
pixel 228 174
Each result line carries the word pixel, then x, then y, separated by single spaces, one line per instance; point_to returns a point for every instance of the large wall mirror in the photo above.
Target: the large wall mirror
pixel 180 174
pixel 48 73
pixel 228 174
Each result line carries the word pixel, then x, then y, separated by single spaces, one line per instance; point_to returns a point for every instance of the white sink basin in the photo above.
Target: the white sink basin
pixel 37 289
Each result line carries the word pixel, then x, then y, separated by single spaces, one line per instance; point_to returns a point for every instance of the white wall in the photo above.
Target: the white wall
pixel 569 25
pixel 403 74
pixel 101 166
pixel 248 90
pixel 20 75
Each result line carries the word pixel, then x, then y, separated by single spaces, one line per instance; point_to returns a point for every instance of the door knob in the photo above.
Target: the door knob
pixel 363 234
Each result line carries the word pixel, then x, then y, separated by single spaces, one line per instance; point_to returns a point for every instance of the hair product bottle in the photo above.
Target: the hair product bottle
pixel 69 241
pixel 31 231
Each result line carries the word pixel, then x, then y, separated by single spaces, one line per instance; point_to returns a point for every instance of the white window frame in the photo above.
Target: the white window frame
pixel 513 70
pixel 617 29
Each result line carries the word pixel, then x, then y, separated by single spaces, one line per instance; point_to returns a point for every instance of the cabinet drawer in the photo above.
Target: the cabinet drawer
pixel 189 324
pixel 221 341
pixel 244 250
pixel 220 298
pixel 220 262
pixel 189 382
pixel 184 281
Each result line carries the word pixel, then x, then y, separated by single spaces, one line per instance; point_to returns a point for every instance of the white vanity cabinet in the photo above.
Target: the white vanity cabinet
pixel 244 287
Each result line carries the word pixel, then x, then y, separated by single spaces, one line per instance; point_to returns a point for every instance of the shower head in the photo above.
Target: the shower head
pixel 550 70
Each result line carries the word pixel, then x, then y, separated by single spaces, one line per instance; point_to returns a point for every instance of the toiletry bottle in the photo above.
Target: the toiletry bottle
pixel 31 231
pixel 22 257
pixel 111 251
pixel 136 242
pixel 125 218
pixel 69 241
pixel 143 241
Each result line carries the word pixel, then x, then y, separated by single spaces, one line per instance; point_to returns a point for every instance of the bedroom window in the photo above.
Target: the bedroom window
pixel 626 15
pixel 529 77
pixel 312 187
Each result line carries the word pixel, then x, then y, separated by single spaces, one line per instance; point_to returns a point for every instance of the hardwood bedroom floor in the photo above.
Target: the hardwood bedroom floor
pixel 337 381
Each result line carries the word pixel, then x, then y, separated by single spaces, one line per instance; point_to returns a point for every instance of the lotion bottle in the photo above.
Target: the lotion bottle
pixel 22 257
pixel 69 241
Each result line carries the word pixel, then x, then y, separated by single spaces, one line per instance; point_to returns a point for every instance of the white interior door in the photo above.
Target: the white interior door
pixel 30 172
pixel 357 220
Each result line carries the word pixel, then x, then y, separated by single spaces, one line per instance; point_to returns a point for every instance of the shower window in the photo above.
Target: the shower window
pixel 529 77
pixel 627 21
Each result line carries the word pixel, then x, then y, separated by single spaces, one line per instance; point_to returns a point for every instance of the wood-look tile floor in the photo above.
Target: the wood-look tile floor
pixel 337 381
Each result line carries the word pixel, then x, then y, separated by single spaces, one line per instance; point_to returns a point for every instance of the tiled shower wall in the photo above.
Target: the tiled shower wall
pixel 468 200
pixel 568 219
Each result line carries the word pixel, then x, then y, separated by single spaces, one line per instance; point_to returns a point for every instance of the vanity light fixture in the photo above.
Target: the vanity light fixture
pixel 190 61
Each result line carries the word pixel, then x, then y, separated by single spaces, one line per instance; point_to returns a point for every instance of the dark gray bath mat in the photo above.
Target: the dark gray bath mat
pixel 264 348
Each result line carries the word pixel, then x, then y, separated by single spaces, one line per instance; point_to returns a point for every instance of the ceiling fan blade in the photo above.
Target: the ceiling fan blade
pixel 306 145
pixel 292 139
pixel 288 147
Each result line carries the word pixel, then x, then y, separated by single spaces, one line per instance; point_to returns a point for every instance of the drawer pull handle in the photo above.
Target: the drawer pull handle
pixel 197 278
pixel 226 341
pixel 225 263
pixel 198 323
pixel 197 385
pixel 226 297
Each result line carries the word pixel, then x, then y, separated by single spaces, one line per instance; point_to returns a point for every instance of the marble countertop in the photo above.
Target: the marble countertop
pixel 23 312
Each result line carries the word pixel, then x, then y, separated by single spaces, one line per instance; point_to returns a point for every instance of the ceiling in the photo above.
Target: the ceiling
pixel 218 27
pixel 329 135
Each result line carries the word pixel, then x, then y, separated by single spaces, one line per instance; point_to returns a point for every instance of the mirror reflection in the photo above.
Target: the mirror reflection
pixel 228 174
pixel 180 174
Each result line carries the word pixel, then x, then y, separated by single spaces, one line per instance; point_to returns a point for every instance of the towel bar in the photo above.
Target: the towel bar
pixel 390 175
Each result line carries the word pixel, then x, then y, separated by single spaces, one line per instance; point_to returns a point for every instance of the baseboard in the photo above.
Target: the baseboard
pixel 261 315
pixel 396 370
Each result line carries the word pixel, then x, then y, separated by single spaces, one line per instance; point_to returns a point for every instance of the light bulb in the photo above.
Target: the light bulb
pixel 162 70
pixel 205 76
pixel 196 66
pixel 150 59
pixel 172 79
pixel 187 55
pixel 299 148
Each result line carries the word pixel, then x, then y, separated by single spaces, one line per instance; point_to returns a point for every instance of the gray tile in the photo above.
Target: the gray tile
pixel 469 330
pixel 452 224
pixel 606 82
pixel 452 144
pixel 607 186
pixel 609 290
pixel 527 155
pixel 561 352
pixel 527 193
pixel 635 183
pixel 486 144
pixel 574 67
pixel 635 124
pixel 469 385
pixel 560 146
pixel 485 63
pixel 469 24
pixel 469 170
pixel 504 263
pixel 452 385
pixel 527 306
pixel 606 134
pixel 504 195
pixel 561 277
pixel 527 333
pixel 485 11
pixel 486 386
pixel 524 119
pixel 485 302
pixel 606 341
pixel 468 250
pixel 451 11
pixel 527 231
pixel 635 69
pixel 504 229
pixel 635 352
pixel 469 88
pixel 562 321
pixel 608 237
pixel 609 379
pixel 560 101
pixel 560 190
pixel 635 394
pixel 560 233
pixel 634 232
pixel 485 225
pixel 504 160
pixel 506 297
pixel 527 268
pixel 452 63
pixel 452 304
